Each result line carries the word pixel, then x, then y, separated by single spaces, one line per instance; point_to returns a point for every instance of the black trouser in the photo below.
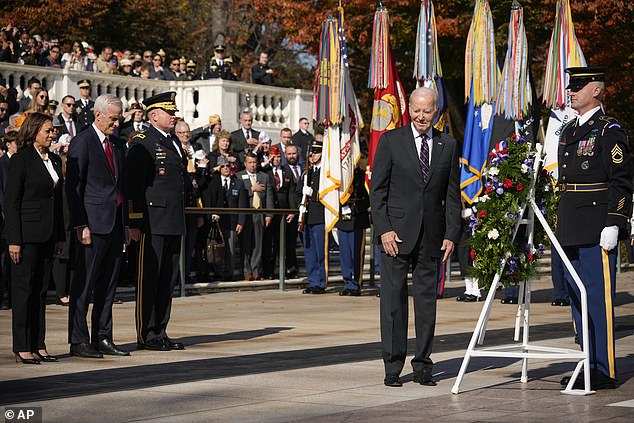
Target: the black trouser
pixel 28 296
pixel 63 271
pixel 291 246
pixel 97 275
pixel 5 273
pixel 270 246
pixel 394 307
pixel 157 278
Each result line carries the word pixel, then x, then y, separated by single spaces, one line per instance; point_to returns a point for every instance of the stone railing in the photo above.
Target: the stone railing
pixel 273 108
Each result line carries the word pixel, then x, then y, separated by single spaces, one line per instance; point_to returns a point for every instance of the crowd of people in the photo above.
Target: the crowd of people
pixel 18 46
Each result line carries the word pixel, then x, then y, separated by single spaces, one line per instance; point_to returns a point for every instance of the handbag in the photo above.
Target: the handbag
pixel 215 245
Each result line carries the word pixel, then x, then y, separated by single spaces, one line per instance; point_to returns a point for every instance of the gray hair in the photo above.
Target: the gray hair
pixel 103 101
pixel 180 124
pixel 423 92
pixel 245 113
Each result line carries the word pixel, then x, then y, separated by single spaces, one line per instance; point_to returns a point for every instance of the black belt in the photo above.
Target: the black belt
pixel 600 186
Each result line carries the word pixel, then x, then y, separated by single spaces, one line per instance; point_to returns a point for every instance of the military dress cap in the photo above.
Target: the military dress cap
pixel 191 64
pixel 219 47
pixel 161 52
pixel 581 76
pixel 52 104
pixel 317 146
pixel 163 101
pixel 182 60
pixel 275 150
pixel 84 83
pixel 136 106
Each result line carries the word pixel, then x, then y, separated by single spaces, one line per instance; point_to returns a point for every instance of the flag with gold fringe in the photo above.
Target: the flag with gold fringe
pixel 337 108
pixel 564 52
pixel 482 77
pixel 427 67
pixel 389 109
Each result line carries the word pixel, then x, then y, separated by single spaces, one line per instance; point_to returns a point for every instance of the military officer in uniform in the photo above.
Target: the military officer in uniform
pixel 85 106
pixel 354 219
pixel 314 231
pixel 595 183
pixel 219 66
pixel 157 175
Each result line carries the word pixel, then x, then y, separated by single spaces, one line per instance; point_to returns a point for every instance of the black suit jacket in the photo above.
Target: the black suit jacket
pixel 214 195
pixel 239 142
pixel 33 205
pixel 285 197
pixel 64 129
pixel 402 202
pixel 302 140
pixel 91 189
pixel 127 128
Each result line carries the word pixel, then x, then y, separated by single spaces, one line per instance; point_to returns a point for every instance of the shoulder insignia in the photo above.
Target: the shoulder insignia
pixel 140 136
pixel 617 154
pixel 621 204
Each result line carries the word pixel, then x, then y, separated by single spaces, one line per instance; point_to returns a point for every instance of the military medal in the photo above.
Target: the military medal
pixel 161 171
pixel 585 165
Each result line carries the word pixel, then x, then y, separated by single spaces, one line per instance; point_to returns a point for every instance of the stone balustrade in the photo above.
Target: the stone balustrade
pixel 273 108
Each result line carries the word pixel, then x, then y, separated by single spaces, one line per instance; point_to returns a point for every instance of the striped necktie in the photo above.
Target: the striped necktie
pixel 424 156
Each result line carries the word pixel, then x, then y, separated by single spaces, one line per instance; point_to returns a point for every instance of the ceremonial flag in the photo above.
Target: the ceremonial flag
pixel 427 67
pixel 481 85
pixel 564 52
pixel 340 113
pixel 389 110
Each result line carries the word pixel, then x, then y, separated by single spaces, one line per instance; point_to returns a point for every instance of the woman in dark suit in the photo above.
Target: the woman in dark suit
pixel 34 232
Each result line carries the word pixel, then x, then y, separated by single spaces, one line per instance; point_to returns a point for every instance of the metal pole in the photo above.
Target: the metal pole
pixel 372 282
pixel 282 253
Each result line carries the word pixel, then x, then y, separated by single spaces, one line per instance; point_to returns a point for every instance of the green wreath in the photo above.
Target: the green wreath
pixel 507 179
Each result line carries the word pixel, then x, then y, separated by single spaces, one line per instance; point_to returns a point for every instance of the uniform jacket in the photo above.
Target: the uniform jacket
pixel 215 70
pixel 358 205
pixel 127 128
pixel 156 176
pixel 401 201
pixel 315 214
pixel 85 114
pixel 259 75
pixel 303 140
pixel 596 152
pixel 91 189
pixel 33 206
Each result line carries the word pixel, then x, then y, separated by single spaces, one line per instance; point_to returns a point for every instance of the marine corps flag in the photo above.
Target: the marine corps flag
pixel 389 110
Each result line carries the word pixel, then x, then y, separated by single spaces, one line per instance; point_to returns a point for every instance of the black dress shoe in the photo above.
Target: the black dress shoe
pixel 314 290
pixel 156 344
pixel 84 351
pixel 107 347
pixel 20 359
pixel 461 297
pixel 559 302
pixel 509 300
pixel 424 377
pixel 354 292
pixel 345 292
pixel 392 381
pixel 173 345
pixel 46 358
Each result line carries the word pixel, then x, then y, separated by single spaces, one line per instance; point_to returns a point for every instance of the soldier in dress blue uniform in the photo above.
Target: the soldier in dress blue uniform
pixel 595 183
pixel 354 219
pixel 314 231
pixel 157 172
pixel 85 106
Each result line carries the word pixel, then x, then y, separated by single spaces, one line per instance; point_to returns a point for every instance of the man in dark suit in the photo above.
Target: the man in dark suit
pixel 261 72
pixel 68 118
pixel 157 175
pixel 296 172
pixel 85 106
pixel 5 285
pixel 244 139
pixel 302 138
pixel 260 190
pixel 284 197
pixel 34 86
pixel 415 202
pixel 96 192
pixel 225 190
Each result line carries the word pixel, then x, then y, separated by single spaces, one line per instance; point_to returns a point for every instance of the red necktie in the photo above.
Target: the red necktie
pixel 277 180
pixel 108 150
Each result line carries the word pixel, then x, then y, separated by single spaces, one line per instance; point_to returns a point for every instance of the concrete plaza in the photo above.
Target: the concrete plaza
pixel 271 356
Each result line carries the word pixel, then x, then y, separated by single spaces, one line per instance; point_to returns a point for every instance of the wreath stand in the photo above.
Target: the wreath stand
pixel 525 350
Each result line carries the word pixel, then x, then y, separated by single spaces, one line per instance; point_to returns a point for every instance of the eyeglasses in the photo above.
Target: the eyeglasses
pixel 42 96
pixel 156 60
pixel 147 56
pixel 2 109
pixel 69 104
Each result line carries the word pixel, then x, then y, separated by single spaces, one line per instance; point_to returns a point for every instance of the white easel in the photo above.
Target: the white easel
pixel 526 350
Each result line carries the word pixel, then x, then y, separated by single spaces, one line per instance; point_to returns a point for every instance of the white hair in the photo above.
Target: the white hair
pixel 425 91
pixel 103 101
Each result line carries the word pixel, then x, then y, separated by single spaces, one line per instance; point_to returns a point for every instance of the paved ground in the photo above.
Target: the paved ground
pixel 270 356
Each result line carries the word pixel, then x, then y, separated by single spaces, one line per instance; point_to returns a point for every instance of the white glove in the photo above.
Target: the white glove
pixel 466 213
pixel 302 209
pixel 307 191
pixel 609 237
pixel 215 217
